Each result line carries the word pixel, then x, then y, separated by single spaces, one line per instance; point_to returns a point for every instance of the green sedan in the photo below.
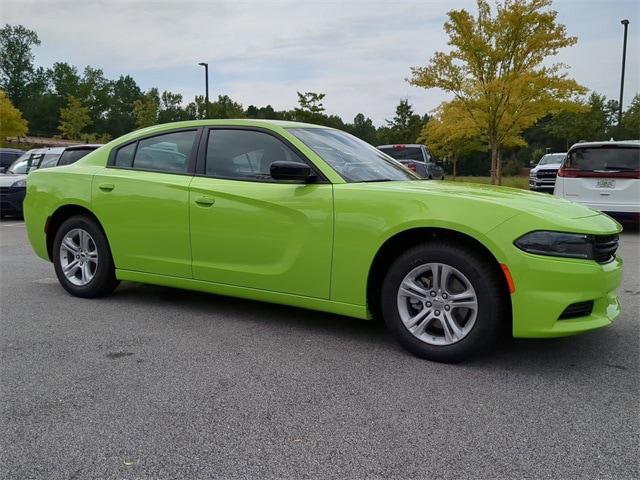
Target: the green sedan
pixel 313 217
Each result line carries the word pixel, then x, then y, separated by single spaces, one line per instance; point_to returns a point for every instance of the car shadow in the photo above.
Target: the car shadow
pixel 557 355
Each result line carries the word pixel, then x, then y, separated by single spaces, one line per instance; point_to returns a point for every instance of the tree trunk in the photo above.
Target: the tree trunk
pixel 494 162
pixel 499 168
pixel 455 166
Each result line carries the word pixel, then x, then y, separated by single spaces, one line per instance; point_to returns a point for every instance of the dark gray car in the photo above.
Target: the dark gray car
pixel 416 157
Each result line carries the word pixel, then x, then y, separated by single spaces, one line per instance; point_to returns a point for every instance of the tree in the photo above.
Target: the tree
pixel 120 115
pixel 498 73
pixel 593 122
pixel 224 107
pixel 363 128
pixel 445 139
pixel 145 109
pixel 11 122
pixel 405 125
pixel 74 118
pixel 310 102
pixel 16 61
pixel 631 119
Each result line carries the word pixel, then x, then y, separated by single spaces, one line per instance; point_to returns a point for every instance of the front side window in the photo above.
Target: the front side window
pixel 169 153
pixel 353 159
pixel 245 154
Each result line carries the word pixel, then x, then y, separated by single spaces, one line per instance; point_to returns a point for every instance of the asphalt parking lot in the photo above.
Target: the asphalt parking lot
pixel 158 383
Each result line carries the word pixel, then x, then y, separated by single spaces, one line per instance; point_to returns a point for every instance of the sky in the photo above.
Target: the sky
pixel 261 52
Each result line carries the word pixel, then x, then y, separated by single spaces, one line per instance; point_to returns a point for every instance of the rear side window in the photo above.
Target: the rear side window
pixel 124 157
pixel 71 156
pixel 604 159
pixel 49 160
pixel 162 153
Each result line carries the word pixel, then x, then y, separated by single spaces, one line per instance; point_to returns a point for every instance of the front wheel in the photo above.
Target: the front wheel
pixel 443 302
pixel 82 258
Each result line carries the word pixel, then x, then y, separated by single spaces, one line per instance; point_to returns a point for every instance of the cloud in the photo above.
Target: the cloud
pixel 357 52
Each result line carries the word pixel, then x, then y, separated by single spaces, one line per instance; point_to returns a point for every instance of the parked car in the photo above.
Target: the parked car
pixel 542 177
pixel 416 157
pixel 604 176
pixel 13 182
pixel 310 216
pixel 8 156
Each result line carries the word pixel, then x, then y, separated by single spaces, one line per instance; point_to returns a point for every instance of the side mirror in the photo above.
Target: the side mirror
pixel 283 170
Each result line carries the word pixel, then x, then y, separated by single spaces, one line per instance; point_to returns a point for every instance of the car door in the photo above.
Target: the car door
pixel 142 201
pixel 248 229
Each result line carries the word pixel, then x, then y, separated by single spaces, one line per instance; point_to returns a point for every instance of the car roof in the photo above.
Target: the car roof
pixel 405 145
pixel 619 143
pixel 54 150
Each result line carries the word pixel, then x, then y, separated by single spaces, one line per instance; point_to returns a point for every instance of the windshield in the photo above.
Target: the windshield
pixel 605 158
pixel 353 159
pixel 26 162
pixel 552 158
pixel 400 152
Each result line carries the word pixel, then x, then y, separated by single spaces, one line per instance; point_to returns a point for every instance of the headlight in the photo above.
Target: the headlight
pixel 19 184
pixel 557 244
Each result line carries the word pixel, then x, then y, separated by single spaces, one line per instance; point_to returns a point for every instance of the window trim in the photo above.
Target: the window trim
pixel 191 161
pixel 200 170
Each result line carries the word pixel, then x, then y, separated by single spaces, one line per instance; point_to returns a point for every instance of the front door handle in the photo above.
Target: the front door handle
pixel 106 187
pixel 205 201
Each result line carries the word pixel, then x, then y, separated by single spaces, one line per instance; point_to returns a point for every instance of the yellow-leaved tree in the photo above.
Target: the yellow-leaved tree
pixel 447 137
pixel 498 73
pixel 11 122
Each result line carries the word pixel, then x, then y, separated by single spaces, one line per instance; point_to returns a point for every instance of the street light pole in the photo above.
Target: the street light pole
pixel 206 85
pixel 625 22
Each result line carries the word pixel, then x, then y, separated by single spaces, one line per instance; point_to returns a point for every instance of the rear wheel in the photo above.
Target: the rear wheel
pixel 443 302
pixel 82 258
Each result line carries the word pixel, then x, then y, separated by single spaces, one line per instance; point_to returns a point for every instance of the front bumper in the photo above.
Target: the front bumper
pixel 549 285
pixel 539 185
pixel 11 200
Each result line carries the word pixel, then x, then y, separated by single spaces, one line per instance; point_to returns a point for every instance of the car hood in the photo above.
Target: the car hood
pixel 518 200
pixel 8 179
pixel 548 166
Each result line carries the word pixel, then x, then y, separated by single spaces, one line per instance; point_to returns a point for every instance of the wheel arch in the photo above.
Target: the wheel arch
pixel 57 218
pixel 403 240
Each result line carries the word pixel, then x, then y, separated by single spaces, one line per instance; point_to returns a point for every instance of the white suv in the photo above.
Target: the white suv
pixel 604 176
pixel 542 177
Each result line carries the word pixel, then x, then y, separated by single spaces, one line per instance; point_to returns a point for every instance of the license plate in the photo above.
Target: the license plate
pixel 605 183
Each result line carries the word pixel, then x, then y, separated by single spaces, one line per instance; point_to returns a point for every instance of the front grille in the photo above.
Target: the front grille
pixel 547 174
pixel 605 247
pixel 4 190
pixel 575 310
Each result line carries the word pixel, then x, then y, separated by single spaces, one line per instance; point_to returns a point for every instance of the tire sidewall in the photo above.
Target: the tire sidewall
pixel 104 274
pixel 482 278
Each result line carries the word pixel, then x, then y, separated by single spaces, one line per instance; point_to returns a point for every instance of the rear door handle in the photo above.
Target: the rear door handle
pixel 205 201
pixel 106 187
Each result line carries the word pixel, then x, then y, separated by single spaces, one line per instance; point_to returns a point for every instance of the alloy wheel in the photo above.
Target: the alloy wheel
pixel 437 304
pixel 78 257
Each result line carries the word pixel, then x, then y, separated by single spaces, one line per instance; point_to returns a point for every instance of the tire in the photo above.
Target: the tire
pixel 86 246
pixel 470 277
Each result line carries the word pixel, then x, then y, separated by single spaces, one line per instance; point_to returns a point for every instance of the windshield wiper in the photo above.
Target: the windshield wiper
pixel 378 180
